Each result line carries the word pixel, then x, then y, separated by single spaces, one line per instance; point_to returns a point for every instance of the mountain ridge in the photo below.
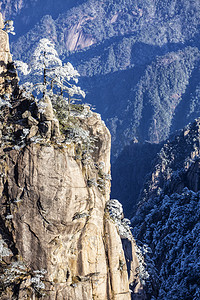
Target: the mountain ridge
pixel 167 218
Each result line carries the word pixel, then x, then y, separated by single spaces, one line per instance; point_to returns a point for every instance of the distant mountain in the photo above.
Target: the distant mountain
pixel 168 218
pixel 26 13
pixel 139 60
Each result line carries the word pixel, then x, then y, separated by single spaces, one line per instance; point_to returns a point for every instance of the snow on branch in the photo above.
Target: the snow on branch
pixel 9 27
pixel 47 75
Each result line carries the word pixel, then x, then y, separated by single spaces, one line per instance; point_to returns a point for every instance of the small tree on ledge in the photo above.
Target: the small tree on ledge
pixel 48 76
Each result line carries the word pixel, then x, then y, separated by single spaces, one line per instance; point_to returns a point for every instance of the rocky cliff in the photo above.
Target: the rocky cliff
pixel 176 164
pixel 139 63
pixel 59 238
pixel 8 79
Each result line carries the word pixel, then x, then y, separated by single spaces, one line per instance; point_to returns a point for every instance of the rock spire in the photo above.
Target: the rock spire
pixel 58 240
pixel 7 76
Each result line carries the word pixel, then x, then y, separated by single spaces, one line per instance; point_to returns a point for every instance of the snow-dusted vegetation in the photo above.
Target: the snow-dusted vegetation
pixel 116 213
pixel 170 226
pixel 47 75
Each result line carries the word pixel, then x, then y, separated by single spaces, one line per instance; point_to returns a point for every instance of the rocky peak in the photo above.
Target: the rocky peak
pixel 61 241
pixel 57 237
pixel 8 77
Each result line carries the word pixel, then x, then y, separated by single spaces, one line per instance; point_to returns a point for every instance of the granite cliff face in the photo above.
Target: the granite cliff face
pixel 58 237
pixel 8 78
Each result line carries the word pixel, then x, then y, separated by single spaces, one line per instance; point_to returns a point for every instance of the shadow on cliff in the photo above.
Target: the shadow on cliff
pixel 184 112
pixel 3 66
pixel 4 231
pixel 129 172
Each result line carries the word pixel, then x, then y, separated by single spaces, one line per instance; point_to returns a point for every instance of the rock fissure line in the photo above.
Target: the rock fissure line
pixel 32 232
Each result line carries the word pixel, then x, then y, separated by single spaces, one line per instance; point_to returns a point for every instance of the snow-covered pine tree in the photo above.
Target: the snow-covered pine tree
pixel 9 27
pixel 47 75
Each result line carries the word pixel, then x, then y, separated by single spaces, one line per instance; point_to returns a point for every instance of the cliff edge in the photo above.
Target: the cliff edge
pixel 58 239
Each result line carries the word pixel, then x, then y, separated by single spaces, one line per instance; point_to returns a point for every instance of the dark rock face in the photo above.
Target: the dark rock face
pixel 129 173
pixel 167 219
pixel 172 167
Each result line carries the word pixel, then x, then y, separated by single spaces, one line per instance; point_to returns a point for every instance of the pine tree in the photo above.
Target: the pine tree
pixel 47 76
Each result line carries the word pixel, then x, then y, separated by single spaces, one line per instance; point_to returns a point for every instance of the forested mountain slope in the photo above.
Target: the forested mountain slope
pixel 168 217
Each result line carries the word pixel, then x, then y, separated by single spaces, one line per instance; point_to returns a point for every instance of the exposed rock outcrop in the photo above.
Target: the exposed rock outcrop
pixel 8 77
pixel 75 39
pixel 55 221
pixel 57 239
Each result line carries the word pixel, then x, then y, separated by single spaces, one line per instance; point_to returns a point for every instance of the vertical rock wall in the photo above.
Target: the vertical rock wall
pixel 7 73
pixel 57 223
pixel 57 238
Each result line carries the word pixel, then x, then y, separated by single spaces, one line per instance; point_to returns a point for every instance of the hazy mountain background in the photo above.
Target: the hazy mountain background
pixel 139 64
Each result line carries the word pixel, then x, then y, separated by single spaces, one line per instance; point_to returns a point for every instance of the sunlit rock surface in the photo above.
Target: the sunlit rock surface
pixel 7 72
pixel 57 238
